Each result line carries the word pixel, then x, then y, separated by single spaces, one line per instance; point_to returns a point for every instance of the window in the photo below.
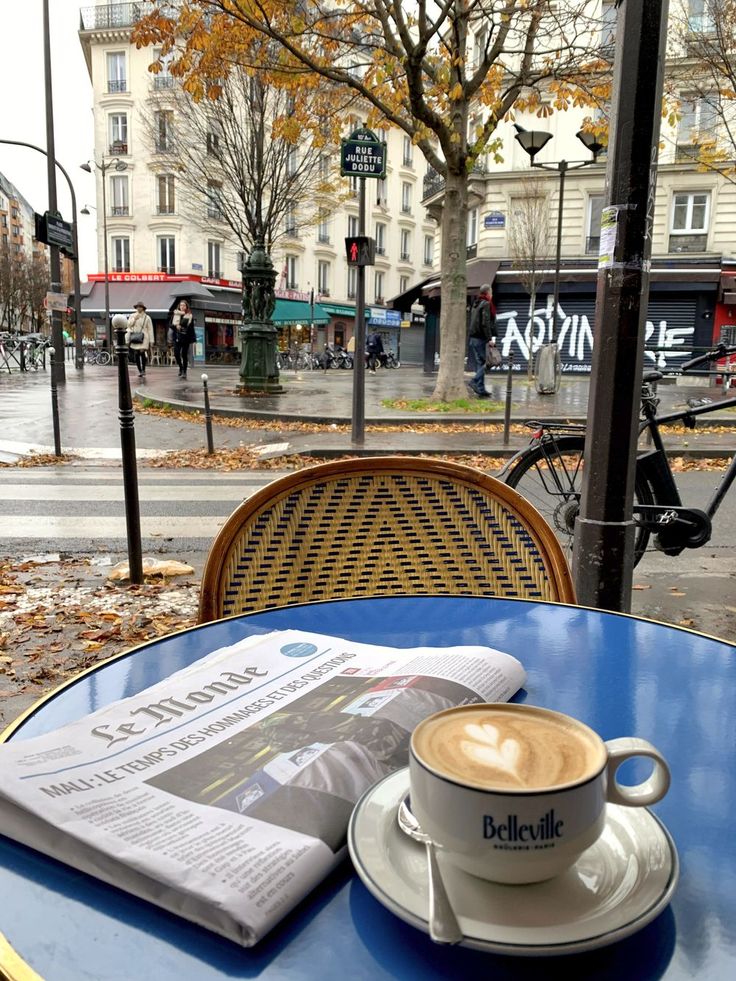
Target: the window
pixel 120 254
pixel 406 198
pixel 697 125
pixel 403 284
pixel 239 260
pixel 609 16
pixel 323 230
pixel 408 152
pixel 116 81
pixel 324 167
pixel 354 188
pixel 593 238
pixel 118 132
pixel 480 42
pixel 472 233
pixel 290 219
pixel 214 266
pixel 214 132
pixel 119 195
pixel 700 19
pixel 323 278
pixel 428 250
pixel 380 238
pixel 689 227
pixel 381 192
pixel 164 79
pixel 292 161
pixel 352 225
pixel 214 200
pixel 165 191
pixel 378 287
pixel 164 123
pixel 291 280
pixel 405 244
pixel 352 282
pixel 167 255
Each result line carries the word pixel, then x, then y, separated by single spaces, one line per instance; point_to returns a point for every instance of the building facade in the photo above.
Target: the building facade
pixel 692 237
pixel 151 241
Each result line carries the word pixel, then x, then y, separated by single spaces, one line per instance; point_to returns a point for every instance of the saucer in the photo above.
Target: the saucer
pixel 615 888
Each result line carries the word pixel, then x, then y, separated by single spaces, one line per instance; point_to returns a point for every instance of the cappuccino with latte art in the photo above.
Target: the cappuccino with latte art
pixel 516 793
pixel 524 749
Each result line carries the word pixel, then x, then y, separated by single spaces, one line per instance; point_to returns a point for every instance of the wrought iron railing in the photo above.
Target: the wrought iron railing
pixel 117 85
pixel 111 15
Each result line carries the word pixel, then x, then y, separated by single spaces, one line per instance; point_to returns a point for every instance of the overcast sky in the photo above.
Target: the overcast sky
pixel 23 115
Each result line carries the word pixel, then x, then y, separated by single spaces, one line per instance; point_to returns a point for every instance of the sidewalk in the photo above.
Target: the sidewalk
pixel 90 427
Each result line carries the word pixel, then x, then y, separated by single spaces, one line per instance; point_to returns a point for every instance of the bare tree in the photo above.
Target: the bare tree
pixel 529 242
pixel 702 83
pixel 239 163
pixel 24 281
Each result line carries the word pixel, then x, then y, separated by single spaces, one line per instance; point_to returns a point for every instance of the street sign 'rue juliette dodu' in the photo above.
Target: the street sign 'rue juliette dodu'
pixel 362 154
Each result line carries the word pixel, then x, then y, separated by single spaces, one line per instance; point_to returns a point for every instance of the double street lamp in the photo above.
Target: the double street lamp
pixel 532 141
pixel 103 166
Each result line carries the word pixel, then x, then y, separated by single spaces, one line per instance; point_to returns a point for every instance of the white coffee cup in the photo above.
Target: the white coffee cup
pixel 515 793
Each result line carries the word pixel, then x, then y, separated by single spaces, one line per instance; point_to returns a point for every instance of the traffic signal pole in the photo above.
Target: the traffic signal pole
pixel 358 431
pixel 57 335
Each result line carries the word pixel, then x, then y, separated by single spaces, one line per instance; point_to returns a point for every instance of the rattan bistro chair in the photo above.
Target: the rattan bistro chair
pixel 381 526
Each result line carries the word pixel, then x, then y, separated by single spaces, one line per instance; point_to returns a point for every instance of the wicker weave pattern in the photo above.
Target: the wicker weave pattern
pixel 375 533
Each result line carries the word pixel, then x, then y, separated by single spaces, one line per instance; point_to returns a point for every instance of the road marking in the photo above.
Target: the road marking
pixel 114 492
pixel 93 528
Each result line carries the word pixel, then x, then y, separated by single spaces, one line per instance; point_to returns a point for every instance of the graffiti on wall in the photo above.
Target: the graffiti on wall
pixel 667 344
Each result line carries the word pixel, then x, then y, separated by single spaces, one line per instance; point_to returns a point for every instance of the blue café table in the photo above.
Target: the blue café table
pixel 620 674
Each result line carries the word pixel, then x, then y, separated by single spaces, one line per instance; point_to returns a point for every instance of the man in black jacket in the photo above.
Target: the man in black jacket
pixel 482 330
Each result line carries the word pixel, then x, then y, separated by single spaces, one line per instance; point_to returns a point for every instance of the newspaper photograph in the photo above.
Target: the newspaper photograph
pixel 223 793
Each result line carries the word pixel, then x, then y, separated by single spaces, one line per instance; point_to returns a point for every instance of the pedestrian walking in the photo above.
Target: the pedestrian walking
pixel 182 323
pixel 482 332
pixel 139 336
pixel 375 350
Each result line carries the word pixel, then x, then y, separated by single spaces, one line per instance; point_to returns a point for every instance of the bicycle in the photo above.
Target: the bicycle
pixel 549 473
pixel 93 355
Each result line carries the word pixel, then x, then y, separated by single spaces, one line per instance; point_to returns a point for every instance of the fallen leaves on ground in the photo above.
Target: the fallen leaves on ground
pixel 62 617
pixel 41 460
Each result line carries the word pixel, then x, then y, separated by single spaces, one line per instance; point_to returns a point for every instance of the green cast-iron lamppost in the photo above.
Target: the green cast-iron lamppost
pixel 258 370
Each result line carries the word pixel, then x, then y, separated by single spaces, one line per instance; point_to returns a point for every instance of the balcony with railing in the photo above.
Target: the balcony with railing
pixel 471 251
pixel 433 182
pixel 405 257
pixel 117 85
pixel 163 81
pixel 118 147
pixel 119 210
pixel 108 16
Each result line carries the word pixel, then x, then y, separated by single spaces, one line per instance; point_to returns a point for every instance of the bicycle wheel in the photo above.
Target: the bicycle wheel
pixel 550 477
pixel 103 357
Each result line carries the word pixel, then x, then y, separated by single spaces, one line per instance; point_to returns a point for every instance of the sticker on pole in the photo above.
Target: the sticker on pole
pixel 362 154
pixel 609 229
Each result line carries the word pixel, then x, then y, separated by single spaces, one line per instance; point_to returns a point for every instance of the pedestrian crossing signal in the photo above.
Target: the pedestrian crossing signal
pixel 360 250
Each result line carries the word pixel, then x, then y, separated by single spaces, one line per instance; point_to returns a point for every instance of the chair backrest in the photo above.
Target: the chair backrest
pixel 379 526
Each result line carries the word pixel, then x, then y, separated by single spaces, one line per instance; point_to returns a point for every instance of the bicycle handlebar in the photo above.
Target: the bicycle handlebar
pixel 718 352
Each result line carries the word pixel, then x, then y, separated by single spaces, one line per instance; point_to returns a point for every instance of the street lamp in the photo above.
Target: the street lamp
pixel 78 351
pixel 532 141
pixel 103 167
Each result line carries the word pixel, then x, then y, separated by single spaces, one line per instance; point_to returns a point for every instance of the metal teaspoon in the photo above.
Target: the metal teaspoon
pixel 443 925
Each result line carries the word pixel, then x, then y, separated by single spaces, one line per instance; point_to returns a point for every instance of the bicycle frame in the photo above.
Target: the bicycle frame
pixel 657 464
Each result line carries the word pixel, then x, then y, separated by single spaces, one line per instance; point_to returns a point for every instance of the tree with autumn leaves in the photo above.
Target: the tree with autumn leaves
pixel 430 68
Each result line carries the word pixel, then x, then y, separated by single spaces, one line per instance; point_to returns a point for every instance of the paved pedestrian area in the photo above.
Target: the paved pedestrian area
pixel 88 411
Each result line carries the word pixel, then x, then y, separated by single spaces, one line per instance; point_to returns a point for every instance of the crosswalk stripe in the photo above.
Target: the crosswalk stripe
pixel 59 527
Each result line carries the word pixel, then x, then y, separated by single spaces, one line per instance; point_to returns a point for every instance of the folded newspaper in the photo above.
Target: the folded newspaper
pixel 223 793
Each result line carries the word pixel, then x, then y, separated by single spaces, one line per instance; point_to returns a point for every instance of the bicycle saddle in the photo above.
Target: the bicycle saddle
pixel 652 376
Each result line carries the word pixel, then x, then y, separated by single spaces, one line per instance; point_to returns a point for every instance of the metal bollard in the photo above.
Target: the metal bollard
pixel 127 446
pixel 55 405
pixel 208 417
pixel 507 409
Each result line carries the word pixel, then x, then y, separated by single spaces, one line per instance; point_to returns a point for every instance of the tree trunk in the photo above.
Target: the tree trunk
pixel 532 307
pixel 454 277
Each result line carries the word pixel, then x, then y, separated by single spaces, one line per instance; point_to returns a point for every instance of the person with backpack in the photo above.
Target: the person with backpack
pixel 482 330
